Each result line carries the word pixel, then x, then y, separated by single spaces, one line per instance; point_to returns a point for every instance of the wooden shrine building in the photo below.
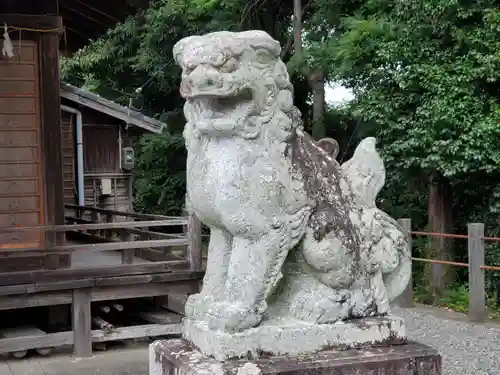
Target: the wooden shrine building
pixel 98 136
pixel 68 233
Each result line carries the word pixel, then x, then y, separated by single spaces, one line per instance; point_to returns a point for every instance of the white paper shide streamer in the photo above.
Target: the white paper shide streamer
pixel 7 48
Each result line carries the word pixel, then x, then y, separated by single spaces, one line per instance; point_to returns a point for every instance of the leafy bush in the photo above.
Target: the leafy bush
pixel 160 179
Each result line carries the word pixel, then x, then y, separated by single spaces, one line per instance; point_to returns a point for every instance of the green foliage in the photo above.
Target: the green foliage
pixel 455 298
pixel 138 52
pixel 160 179
pixel 425 74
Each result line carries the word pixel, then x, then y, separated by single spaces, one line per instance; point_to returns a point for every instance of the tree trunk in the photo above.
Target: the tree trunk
pixel 297 27
pixel 317 84
pixel 315 78
pixel 440 221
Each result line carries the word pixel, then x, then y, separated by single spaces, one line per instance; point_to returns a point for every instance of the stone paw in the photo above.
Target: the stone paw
pixel 196 306
pixel 223 316
pixel 329 312
pixel 321 310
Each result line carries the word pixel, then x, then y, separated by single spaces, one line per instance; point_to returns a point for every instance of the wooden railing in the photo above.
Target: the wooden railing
pixel 135 232
pixel 476 266
pixel 80 211
pixel 147 243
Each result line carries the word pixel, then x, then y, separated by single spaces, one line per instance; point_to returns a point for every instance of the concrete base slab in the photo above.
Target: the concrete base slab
pixel 179 358
pixel 293 337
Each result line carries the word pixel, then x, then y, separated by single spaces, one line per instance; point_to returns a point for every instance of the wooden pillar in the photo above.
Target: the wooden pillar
pixel 128 255
pixel 50 105
pixel 477 295
pixel 194 247
pixel 81 321
pixel 406 298
pixel 108 233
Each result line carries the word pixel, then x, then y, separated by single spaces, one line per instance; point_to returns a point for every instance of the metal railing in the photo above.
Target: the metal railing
pixel 476 266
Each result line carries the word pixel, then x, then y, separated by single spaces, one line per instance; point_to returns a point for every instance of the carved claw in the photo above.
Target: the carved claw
pixel 324 310
pixel 227 317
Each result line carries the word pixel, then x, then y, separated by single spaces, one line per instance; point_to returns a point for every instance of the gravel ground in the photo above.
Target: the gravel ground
pixel 466 348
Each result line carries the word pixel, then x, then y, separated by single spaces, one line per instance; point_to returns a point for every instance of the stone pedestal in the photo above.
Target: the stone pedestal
pixel 286 336
pixel 177 357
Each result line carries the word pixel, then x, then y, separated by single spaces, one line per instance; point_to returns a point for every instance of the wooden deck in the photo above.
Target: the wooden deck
pixel 114 256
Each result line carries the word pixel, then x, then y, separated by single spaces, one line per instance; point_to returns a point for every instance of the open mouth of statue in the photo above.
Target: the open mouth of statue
pixel 215 106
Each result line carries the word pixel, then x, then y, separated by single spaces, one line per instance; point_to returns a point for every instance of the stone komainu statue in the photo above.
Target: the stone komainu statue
pixel 297 243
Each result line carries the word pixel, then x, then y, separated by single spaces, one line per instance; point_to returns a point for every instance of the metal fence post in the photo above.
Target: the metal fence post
pixel 477 295
pixel 406 298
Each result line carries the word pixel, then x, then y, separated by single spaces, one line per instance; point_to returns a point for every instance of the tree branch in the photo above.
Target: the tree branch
pixel 288 46
pixel 289 41
pixel 248 8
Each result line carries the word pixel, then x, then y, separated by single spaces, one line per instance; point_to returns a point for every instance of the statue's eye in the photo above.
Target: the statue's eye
pixel 229 66
pixel 263 57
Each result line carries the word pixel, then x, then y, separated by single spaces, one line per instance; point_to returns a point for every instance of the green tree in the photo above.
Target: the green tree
pixel 160 176
pixel 133 62
pixel 425 74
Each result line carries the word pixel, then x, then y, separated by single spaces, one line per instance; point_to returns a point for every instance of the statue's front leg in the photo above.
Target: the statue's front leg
pixel 254 268
pixel 219 254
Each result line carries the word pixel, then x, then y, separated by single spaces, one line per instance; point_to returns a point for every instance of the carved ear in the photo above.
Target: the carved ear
pixel 366 172
pixel 330 146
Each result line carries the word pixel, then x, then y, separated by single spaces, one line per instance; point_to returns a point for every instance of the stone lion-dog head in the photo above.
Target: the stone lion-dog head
pixel 234 84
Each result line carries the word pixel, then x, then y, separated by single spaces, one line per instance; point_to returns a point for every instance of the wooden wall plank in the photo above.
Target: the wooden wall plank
pixel 69 157
pixel 21 168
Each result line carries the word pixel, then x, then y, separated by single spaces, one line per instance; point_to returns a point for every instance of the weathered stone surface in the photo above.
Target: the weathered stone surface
pixel 293 336
pixel 176 357
pixel 294 234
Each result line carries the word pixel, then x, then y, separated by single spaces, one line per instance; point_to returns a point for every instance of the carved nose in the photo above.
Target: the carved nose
pixel 207 81
pixel 203 77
